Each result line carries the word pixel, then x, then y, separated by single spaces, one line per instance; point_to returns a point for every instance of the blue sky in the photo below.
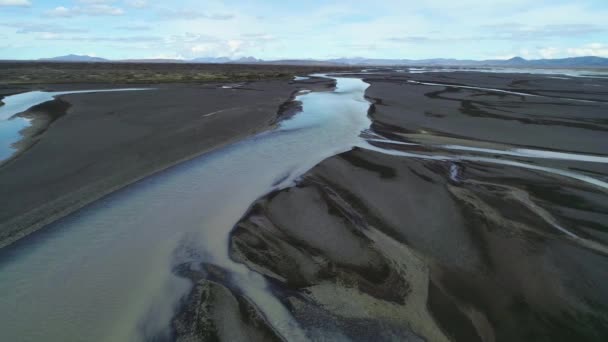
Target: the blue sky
pixel 276 29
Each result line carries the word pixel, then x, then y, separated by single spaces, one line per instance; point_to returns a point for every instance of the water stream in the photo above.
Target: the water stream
pixel 104 273
pixel 12 125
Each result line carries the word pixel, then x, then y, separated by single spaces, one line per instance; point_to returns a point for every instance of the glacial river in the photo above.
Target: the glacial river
pixel 104 273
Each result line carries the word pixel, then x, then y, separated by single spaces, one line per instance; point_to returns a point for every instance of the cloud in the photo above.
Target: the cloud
pixel 192 15
pixel 411 39
pixel 234 45
pixel 128 39
pixel 260 38
pixel 359 47
pixel 549 52
pixel 15 3
pixel 23 28
pixel 378 29
pixel 192 45
pixel 95 2
pixel 511 31
pixel 137 3
pixel 94 9
pixel 263 36
pixel 228 48
pixel 49 36
pixel 101 9
pixel 593 49
pixel 132 28
pixel 60 11
pixel 166 56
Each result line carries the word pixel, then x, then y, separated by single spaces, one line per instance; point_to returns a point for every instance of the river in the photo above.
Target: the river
pixel 105 272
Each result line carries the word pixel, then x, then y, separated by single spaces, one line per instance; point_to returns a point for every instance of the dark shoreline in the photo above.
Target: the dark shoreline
pixel 41 117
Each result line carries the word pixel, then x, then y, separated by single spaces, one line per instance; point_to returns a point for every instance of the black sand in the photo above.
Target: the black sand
pixel 370 246
pixel 382 247
pixel 99 142
pixel 552 121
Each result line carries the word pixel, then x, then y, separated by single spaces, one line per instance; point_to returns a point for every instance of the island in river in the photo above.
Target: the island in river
pixel 473 208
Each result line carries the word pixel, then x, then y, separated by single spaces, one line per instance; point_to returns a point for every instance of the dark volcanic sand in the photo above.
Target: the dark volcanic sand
pixel 377 246
pixel 384 239
pixel 103 141
pixel 370 246
pixel 547 122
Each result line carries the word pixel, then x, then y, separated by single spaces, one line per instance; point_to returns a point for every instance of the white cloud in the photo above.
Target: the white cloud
pixel 133 27
pixel 137 3
pixel 49 36
pixel 190 46
pixel 121 39
pixel 506 56
pixel 234 45
pixel 515 31
pixel 549 52
pixel 95 9
pixel 15 3
pixel 182 14
pixel 102 10
pixel 593 49
pixel 60 12
pixel 32 27
pixel 337 28
pixel 167 56
pixel 89 2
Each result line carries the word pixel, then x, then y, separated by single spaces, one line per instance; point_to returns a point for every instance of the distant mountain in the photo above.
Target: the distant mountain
pixel 74 58
pixel 393 62
pixel 579 62
pixel 222 60
pixel 211 60
pixel 150 60
pixel 587 61
pixel 368 61
pixel 247 60
pixel 310 62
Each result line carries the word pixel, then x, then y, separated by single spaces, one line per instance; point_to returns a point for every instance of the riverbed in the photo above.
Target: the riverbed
pixel 108 271
pixel 75 278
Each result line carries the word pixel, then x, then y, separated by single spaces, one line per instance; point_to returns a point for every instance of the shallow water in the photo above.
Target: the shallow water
pixel 104 273
pixel 11 125
pixel 540 71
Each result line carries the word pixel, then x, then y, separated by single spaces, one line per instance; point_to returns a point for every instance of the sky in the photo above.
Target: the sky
pixel 319 29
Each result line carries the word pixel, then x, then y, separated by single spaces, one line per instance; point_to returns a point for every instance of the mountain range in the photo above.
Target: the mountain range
pixel 586 61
